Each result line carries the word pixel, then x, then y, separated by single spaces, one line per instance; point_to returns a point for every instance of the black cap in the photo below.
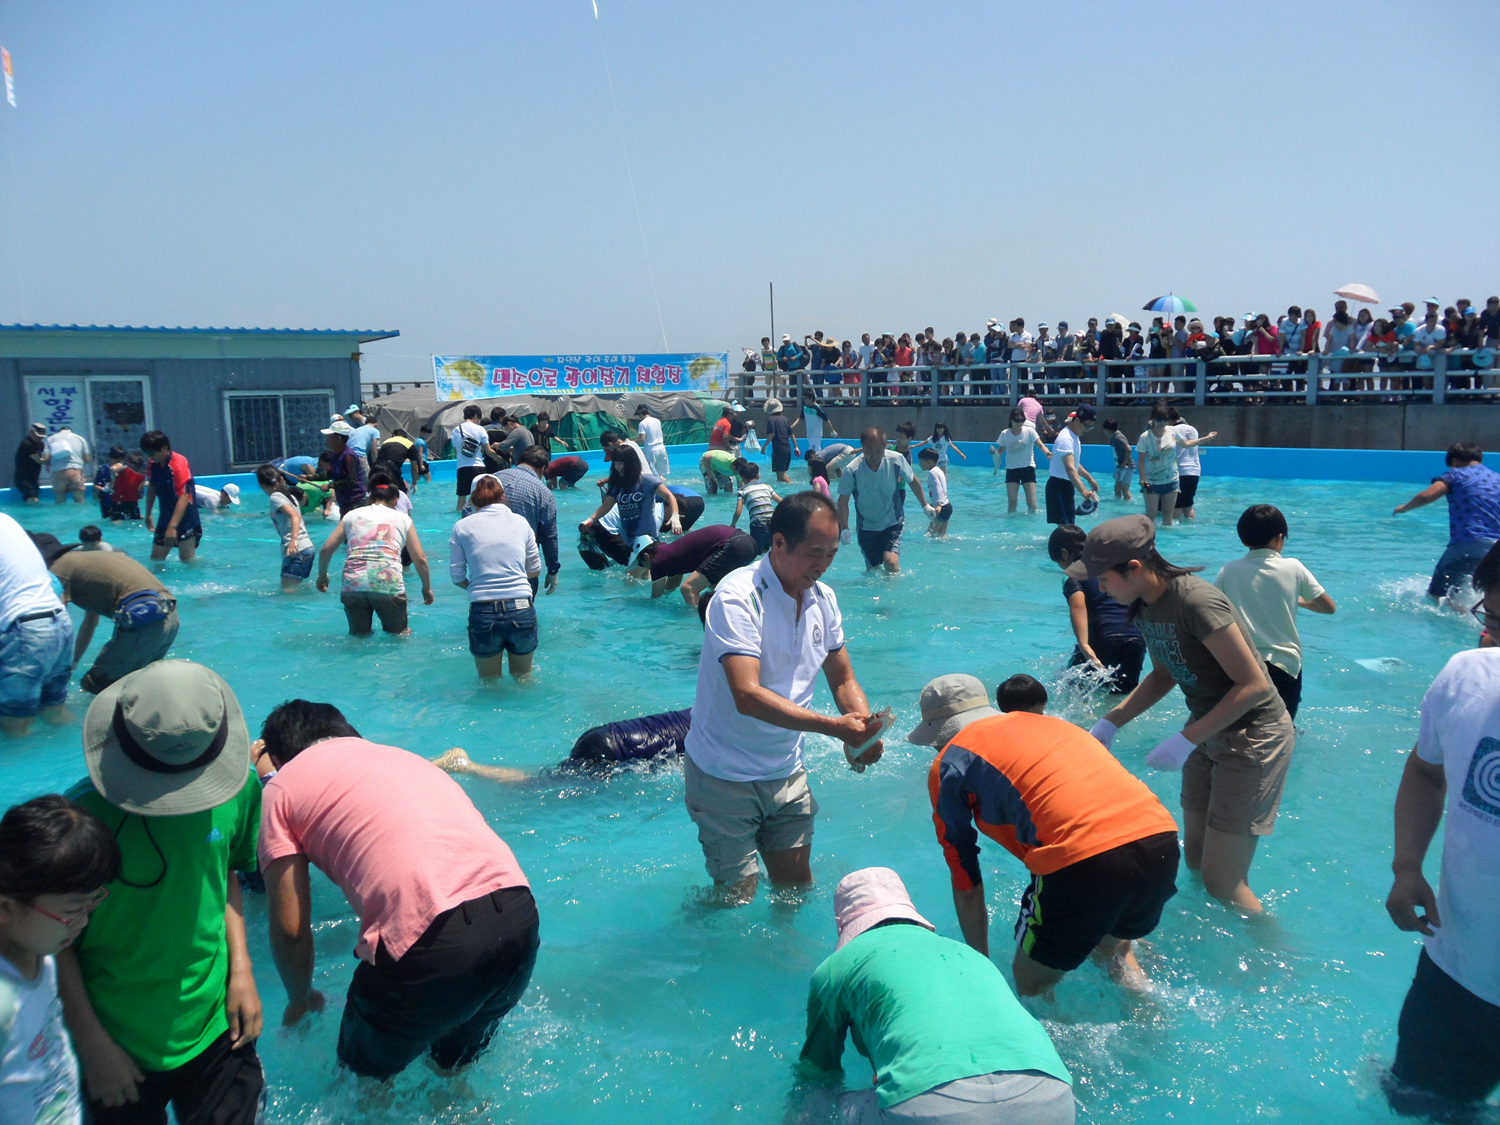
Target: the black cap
pixel 1086 413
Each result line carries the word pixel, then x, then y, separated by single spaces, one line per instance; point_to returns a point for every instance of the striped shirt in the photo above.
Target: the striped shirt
pixel 529 498
pixel 759 501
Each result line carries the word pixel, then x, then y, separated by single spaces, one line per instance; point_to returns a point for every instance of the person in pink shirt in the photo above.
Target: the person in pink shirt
pixel 447 924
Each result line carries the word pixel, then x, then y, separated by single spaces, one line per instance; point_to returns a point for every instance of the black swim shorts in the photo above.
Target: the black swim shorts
pixel 1021 476
pixel 736 551
pixel 1118 893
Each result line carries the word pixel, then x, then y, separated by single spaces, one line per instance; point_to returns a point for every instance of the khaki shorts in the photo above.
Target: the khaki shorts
pixel 1236 777
pixel 736 819
pixel 67 480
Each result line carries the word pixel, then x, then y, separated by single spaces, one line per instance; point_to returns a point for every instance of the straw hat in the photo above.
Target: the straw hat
pixel 167 740
pixel 865 898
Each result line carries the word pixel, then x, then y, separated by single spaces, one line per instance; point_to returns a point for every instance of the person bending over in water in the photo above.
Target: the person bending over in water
pixel 1101 849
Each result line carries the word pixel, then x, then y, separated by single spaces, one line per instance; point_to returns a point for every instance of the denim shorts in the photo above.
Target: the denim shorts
pixel 493 630
pixel 1454 573
pixel 298 566
pixel 1162 489
pixel 36 659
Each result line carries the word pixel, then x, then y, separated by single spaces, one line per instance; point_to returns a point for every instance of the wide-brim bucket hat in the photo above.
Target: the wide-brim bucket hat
pixel 167 740
pixel 950 703
pixel 868 897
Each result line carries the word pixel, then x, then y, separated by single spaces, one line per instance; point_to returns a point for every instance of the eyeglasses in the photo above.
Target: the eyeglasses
pixel 69 919
pixel 1488 621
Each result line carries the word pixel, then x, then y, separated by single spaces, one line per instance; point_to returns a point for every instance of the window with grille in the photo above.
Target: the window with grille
pixel 271 424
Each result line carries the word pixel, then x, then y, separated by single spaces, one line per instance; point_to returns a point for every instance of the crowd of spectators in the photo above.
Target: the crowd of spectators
pixel 1350 352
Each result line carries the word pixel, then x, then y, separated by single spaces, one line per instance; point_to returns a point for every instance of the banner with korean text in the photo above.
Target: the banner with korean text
pixel 457 377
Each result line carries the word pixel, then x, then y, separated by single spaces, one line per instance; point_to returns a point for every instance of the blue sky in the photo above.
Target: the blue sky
pixel 455 170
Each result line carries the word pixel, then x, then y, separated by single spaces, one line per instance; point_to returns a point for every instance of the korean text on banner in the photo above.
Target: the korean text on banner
pixel 10 76
pixel 457 377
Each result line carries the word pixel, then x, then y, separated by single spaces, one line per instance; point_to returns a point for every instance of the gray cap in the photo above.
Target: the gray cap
pixel 167 740
pixel 950 703
pixel 1114 542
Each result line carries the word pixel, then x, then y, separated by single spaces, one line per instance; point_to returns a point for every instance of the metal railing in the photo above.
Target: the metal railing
pixel 1266 379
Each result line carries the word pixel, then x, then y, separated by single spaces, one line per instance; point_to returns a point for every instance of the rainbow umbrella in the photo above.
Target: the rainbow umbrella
pixel 1170 304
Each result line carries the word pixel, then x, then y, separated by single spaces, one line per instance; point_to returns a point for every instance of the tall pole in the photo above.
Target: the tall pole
pixel 772 284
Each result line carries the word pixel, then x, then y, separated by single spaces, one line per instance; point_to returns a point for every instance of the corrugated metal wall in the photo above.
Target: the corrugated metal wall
pixel 187 395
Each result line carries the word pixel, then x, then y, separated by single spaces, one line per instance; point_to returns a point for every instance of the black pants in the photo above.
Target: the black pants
pixel 1288 686
pixel 1448 1053
pixel 447 993
pixel 219 1086
pixel 1126 655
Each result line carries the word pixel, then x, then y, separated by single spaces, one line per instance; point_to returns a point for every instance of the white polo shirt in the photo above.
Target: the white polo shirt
pixel 751 615
pixel 1064 443
pixel 1264 586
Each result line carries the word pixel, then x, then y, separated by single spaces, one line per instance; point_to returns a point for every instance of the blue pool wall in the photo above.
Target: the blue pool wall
pixel 1410 466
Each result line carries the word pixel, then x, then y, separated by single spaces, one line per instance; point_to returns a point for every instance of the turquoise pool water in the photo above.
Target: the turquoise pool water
pixel 650 1006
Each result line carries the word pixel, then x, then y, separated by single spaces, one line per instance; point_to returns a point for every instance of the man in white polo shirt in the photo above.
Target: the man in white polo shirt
pixel 770 629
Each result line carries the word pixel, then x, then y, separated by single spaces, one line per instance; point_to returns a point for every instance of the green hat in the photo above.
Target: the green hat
pixel 167 740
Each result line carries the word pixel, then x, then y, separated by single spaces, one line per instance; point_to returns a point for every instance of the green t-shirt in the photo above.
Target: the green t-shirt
pixel 154 958
pixel 924 1010
pixel 313 495
pixel 721 461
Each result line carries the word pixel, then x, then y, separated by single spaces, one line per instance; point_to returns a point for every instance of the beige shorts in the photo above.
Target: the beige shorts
pixel 1236 777
pixel 736 819
pixel 67 480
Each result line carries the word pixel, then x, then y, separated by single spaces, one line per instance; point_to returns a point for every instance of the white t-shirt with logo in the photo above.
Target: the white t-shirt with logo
pixel 1064 443
pixel 38 1071
pixel 469 440
pixel 1460 731
pixel 751 615
pixel 1020 452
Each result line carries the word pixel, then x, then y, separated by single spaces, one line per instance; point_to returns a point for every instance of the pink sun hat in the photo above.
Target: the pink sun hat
pixel 867 897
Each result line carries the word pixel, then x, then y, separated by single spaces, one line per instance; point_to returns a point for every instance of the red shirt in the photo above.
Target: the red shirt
pixel 718 438
pixel 127 485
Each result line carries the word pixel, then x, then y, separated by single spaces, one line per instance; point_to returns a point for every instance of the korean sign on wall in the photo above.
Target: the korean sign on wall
pixel 459 377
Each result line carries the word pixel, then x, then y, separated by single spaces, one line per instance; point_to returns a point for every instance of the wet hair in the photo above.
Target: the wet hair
pixel 624 469
pixel 747 471
pixel 1017 415
pixel 153 441
pixel 1066 543
pixel 927 455
pixel 1487 573
pixel 471 411
pixel 1110 425
pixel 1462 453
pixel 116 453
pixel 50 846
pixel 486 491
pixel 791 517
pixel 1259 524
pixel 295 725
pixel 1021 693
pixel 272 479
pixel 383 487
pixel 1161 412
pixel 90 534
pixel 535 456
pixel 875 433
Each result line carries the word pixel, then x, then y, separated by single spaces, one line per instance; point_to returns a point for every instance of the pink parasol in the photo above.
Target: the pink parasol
pixel 1358 293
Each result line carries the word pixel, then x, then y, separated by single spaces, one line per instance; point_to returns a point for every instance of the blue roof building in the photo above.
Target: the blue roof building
pixel 229 398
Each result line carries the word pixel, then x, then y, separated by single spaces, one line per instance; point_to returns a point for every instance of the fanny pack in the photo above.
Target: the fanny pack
pixel 146 607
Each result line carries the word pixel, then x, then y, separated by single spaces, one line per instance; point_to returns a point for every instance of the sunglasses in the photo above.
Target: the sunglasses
pixel 69 919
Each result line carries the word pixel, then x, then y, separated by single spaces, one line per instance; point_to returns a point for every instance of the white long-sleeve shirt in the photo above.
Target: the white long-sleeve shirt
pixel 495 550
